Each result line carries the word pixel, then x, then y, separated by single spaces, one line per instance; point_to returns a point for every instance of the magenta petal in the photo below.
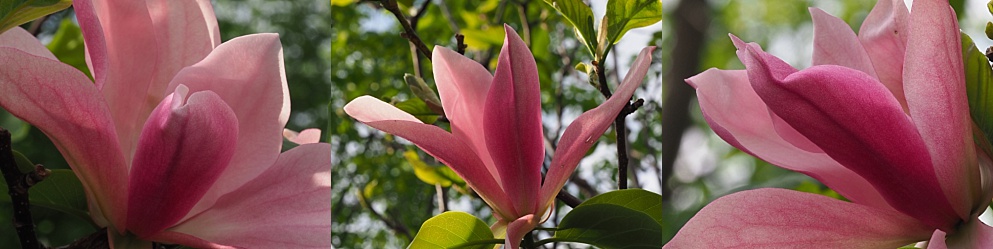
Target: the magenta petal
pixel 588 127
pixel 20 39
pixel 737 114
pixel 836 44
pixel 462 87
pixel 63 103
pixel 778 218
pixel 884 36
pixel 934 81
pixel 512 122
pixel 856 121
pixel 287 206
pixel 438 143
pixel 184 147
pixel 517 229
pixel 247 73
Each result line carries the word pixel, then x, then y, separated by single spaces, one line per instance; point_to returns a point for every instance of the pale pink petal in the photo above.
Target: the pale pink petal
pixel 934 81
pixel 247 73
pixel 779 218
pixel 587 129
pixel 884 36
pixel 836 44
pixel 974 234
pixel 737 114
pixel 438 143
pixel 61 102
pixel 512 122
pixel 856 121
pixel 307 136
pixel 462 87
pixel 517 229
pixel 122 47
pixel 287 206
pixel 184 147
pixel 20 39
pixel 185 32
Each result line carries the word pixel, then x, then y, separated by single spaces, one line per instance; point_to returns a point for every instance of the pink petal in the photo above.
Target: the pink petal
pixel 185 32
pixel 856 121
pixel 779 218
pixel 737 114
pixel 307 136
pixel 61 101
pixel 517 229
pixel 121 44
pixel 884 36
pixel 836 44
pixel 20 39
pixel 974 234
pixel 247 73
pixel 287 206
pixel 184 147
pixel 462 87
pixel 512 122
pixel 935 86
pixel 588 127
pixel 438 143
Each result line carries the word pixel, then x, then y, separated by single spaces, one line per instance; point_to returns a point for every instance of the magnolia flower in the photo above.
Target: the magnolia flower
pixel 178 138
pixel 496 142
pixel 882 118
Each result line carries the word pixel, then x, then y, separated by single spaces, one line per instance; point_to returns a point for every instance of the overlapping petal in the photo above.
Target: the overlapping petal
pixel 777 218
pixel 20 39
pixel 884 36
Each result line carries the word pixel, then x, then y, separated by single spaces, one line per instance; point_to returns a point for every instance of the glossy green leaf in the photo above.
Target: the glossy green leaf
pixel 979 88
pixel 430 174
pixel 419 109
pixel 453 230
pixel 581 17
pixel 67 45
pixel 60 191
pixel 624 15
pixel 629 218
pixel 17 12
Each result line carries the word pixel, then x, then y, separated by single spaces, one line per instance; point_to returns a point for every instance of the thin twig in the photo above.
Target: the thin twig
pixel 460 45
pixel 18 184
pixel 568 199
pixel 409 33
pixel 97 239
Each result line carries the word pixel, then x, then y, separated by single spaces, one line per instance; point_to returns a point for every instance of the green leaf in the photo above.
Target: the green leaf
pixel 60 191
pixel 23 164
pixel 67 45
pixel 17 12
pixel 430 174
pixel 629 218
pixel 453 230
pixel 342 3
pixel 624 15
pixel 419 109
pixel 581 17
pixel 989 30
pixel 979 88
pixel 482 39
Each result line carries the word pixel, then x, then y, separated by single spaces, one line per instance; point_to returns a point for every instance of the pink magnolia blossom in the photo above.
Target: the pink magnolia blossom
pixel 177 139
pixel 497 141
pixel 882 118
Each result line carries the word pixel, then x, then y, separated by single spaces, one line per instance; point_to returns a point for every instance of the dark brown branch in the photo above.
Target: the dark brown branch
pixel 460 45
pixel 568 199
pixel 18 184
pixel 408 31
pixel 692 18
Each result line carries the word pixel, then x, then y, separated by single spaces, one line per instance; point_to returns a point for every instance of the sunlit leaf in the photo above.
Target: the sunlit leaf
pixel 483 39
pixel 979 88
pixel 17 12
pixel 630 218
pixel 452 230
pixel 624 15
pixel 342 3
pixel 581 18
pixel 430 174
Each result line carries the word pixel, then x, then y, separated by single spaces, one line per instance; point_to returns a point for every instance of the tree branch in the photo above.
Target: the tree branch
pixel 18 184
pixel 409 33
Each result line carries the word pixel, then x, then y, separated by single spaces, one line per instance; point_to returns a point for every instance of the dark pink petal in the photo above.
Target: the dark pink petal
pixel 20 39
pixel 857 122
pixel 737 114
pixel 462 86
pixel 63 103
pixel 587 129
pixel 287 206
pixel 438 143
pixel 184 147
pixel 779 218
pixel 512 123
pixel 518 228
pixel 247 73
pixel 836 44
pixel 934 81
pixel 884 36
